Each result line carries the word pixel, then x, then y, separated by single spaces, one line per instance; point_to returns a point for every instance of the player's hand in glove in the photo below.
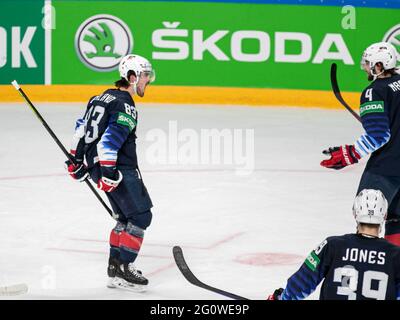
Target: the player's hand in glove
pixel 276 295
pixel 340 157
pixel 109 185
pixel 77 171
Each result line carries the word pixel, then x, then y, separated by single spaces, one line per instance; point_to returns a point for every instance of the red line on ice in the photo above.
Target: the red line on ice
pixel 102 252
pixel 106 241
pixel 161 269
pixel 227 239
pixel 211 246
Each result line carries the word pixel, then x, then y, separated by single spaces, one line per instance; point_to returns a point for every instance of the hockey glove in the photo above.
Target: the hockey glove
pixel 76 171
pixel 340 157
pixel 109 185
pixel 276 295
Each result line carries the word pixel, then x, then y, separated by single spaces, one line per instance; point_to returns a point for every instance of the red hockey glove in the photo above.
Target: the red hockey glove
pixel 276 295
pixel 109 185
pixel 340 157
pixel 76 171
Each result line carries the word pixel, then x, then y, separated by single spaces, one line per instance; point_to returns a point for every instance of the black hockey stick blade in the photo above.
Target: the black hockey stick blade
pixel 60 145
pixel 336 91
pixel 188 274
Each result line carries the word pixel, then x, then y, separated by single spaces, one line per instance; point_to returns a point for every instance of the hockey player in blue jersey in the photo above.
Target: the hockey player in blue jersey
pixel 380 116
pixel 360 266
pixel 104 146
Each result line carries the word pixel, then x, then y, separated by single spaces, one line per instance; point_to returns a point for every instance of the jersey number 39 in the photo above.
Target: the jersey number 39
pixel 348 276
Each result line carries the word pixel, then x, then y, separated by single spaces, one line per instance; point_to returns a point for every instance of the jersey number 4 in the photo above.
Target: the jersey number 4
pixel 368 94
pixel 348 276
pixel 93 118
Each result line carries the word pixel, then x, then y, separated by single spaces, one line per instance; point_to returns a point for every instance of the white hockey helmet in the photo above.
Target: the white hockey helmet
pixel 138 64
pixel 370 206
pixel 383 52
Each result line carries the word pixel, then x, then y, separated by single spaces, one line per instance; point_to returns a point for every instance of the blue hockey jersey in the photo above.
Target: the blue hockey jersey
pixel 106 135
pixel 380 116
pixel 352 267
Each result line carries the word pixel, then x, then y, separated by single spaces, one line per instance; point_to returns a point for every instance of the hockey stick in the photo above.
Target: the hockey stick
pixel 336 91
pixel 183 267
pixel 13 290
pixel 17 87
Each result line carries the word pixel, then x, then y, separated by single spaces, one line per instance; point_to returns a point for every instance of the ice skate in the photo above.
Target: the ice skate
pixel 125 276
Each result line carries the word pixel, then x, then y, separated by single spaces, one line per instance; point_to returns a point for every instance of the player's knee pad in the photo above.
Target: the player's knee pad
pixel 116 234
pixel 131 238
pixel 142 220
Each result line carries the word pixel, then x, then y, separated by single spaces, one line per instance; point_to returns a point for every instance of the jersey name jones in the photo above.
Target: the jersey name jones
pixel 366 256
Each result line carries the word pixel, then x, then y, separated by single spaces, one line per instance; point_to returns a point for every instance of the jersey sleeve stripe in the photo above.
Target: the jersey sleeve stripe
pixel 111 141
pixel 360 149
pixel 374 116
pixel 288 294
pixel 367 144
pixel 377 129
pixel 301 284
pixel 108 163
pixel 304 286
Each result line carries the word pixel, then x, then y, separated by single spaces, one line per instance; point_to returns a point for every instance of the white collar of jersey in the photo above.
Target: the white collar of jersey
pixel 367 235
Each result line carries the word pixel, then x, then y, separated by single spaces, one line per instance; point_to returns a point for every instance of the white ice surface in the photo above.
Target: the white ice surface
pixel 54 233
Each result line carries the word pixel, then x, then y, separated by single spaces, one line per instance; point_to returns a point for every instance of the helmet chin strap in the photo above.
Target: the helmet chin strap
pixel 134 84
pixel 375 75
pixel 134 87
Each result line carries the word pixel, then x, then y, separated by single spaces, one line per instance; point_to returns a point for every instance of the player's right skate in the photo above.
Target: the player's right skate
pixel 125 276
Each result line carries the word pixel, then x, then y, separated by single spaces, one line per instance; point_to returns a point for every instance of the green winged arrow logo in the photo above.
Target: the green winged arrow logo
pixel 103 40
